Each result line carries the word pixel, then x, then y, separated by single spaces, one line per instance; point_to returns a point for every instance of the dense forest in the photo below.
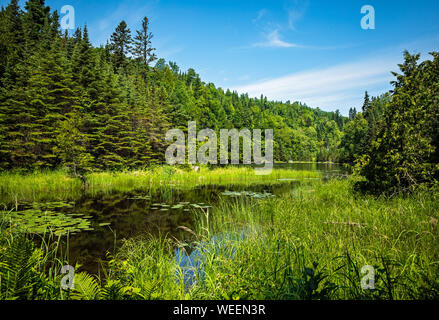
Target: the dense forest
pixel 64 102
pixel 61 98
pixel 84 183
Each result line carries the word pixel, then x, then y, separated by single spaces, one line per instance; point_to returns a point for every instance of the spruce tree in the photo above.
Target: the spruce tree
pixel 142 44
pixel 404 153
pixel 120 44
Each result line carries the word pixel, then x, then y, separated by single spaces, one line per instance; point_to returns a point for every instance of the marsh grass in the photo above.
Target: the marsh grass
pixel 58 185
pixel 310 244
pixel 39 186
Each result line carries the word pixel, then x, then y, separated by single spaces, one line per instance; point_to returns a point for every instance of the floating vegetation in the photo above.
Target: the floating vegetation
pixel 251 194
pixel 200 206
pixel 104 224
pixel 140 198
pixel 38 221
pixel 185 206
pixel 49 206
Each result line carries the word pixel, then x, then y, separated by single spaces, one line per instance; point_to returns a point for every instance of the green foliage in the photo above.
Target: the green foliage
pixel 311 243
pixel 404 152
pixel 354 137
pixel 142 44
pixel 23 268
pixel 70 145
pixel 65 103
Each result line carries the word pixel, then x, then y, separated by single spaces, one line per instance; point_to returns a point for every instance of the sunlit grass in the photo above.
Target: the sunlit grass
pixel 58 185
pixel 310 244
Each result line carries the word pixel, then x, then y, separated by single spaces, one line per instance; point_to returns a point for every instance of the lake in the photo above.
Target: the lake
pixel 114 216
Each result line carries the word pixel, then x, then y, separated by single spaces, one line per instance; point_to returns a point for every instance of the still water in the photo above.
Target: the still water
pixel 122 215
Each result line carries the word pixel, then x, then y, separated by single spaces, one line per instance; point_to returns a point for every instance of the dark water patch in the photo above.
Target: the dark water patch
pixel 116 216
pixel 110 217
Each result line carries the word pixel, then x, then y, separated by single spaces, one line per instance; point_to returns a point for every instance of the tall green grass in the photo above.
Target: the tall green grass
pixel 43 185
pixel 310 244
pixel 57 185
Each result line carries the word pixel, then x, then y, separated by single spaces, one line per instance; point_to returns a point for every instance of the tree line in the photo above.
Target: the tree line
pixel 64 102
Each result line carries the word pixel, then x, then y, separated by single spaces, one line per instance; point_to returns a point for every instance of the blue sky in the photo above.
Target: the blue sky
pixel 313 51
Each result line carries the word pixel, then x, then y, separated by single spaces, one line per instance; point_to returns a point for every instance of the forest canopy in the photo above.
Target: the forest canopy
pixel 66 103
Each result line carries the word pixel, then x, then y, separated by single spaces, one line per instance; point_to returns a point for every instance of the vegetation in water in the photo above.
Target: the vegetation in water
pixel 308 244
pixel 77 121
pixel 52 185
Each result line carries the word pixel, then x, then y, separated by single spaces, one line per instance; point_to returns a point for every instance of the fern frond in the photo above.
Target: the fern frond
pixel 86 287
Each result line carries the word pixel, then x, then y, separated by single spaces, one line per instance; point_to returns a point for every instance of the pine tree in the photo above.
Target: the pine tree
pixel 11 42
pixel 366 103
pixel 404 153
pixel 142 44
pixel 36 15
pixel 120 45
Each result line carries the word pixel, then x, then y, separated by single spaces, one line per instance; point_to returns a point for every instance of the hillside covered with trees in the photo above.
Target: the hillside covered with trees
pixel 64 102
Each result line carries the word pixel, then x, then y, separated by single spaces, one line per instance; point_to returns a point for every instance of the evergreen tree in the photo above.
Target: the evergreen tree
pixel 120 44
pixel 404 153
pixel 142 44
pixel 11 42
pixel 366 103
pixel 70 146
pixel 34 19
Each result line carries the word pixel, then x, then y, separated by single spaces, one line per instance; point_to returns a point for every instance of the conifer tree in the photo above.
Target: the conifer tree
pixel 404 153
pixel 142 44
pixel 36 15
pixel 120 44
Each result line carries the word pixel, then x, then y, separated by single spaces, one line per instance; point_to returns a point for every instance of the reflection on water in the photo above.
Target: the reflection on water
pixel 129 216
pixel 123 215
pixel 191 261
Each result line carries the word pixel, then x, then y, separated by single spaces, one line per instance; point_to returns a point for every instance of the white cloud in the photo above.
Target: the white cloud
pixel 273 41
pixel 296 13
pixel 341 86
pixel 261 14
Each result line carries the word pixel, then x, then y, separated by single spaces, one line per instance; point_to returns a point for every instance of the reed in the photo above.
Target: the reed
pixel 309 244
pixel 58 185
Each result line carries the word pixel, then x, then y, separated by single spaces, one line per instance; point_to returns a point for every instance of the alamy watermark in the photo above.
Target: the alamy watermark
pixel 68 281
pixel 176 152
pixel 368 281
pixel 68 20
pixel 368 20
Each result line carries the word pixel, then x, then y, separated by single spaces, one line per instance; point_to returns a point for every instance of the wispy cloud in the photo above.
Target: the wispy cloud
pixel 261 14
pixel 295 12
pixel 273 41
pixel 337 86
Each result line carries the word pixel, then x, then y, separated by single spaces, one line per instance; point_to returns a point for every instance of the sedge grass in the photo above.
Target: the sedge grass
pixel 312 244
pixel 58 185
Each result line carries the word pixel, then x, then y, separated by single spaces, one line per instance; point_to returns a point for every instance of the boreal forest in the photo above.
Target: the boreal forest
pixel 84 181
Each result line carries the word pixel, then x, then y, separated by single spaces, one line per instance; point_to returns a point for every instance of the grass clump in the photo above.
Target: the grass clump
pixel 58 185
pixel 310 244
